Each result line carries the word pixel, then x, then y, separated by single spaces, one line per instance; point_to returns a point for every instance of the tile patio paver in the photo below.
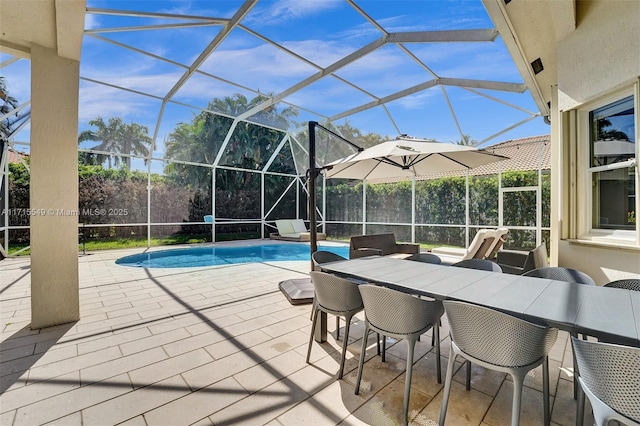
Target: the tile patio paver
pixel 222 345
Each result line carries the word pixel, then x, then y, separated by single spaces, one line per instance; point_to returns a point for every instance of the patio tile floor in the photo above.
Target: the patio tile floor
pixel 221 345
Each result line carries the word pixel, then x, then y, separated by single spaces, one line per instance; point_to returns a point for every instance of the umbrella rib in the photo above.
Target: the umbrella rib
pixel 416 159
pixel 389 161
pixel 456 161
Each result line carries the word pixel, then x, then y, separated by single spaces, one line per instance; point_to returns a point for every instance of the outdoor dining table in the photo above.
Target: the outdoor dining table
pixel 609 314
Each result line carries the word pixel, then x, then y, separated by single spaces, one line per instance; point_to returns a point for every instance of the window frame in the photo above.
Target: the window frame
pixel 586 171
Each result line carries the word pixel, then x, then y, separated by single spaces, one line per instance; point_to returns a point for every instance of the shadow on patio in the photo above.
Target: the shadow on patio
pixel 222 345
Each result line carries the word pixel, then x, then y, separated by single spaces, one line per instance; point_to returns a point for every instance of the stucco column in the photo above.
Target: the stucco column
pixel 54 188
pixel 556 208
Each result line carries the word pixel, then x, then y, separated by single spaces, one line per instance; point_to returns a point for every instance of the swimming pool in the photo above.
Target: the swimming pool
pixel 212 256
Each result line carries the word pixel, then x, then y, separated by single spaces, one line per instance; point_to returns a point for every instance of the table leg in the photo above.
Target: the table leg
pixel 321 328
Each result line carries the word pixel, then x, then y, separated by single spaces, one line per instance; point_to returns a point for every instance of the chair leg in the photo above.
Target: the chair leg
pixel 545 392
pixel 580 407
pixel 518 382
pixel 384 347
pixel 575 370
pixel 313 330
pixel 337 328
pixel 411 345
pixel 468 377
pixel 433 337
pixel 362 355
pixel 313 308
pixel 447 385
pixel 436 333
pixel 344 345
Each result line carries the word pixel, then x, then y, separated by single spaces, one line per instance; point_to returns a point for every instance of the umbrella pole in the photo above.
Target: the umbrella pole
pixel 312 174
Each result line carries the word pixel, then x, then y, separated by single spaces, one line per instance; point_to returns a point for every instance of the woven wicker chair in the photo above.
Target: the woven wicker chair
pixel 481 264
pixel 336 296
pixel 573 276
pixel 426 258
pixel 319 257
pixel 628 284
pixel 610 376
pixel 392 313
pixel 500 342
pixel 323 256
pixel 561 274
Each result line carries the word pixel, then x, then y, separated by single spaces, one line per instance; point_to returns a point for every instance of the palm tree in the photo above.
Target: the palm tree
pixel 118 137
pixel 9 103
pixel 467 141
pixel 249 147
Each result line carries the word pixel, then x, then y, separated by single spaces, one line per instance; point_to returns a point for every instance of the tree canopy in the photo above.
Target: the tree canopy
pixel 118 137
pixel 7 104
pixel 249 147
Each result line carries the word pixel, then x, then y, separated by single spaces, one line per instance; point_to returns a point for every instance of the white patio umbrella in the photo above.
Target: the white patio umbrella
pixel 406 157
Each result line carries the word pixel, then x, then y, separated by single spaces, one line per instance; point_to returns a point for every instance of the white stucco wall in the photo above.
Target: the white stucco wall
pixel 602 263
pixel 603 53
pixel 54 188
pixel 600 57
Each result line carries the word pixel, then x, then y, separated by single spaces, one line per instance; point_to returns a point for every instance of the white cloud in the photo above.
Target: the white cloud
pixel 287 10
pixel 18 79
pixel 102 101
pixel 321 52
pixel 91 21
pixel 260 67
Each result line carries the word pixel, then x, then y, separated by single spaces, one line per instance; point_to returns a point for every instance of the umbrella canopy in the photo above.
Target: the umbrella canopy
pixel 406 157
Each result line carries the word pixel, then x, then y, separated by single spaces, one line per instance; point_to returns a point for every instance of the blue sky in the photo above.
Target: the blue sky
pixel 323 32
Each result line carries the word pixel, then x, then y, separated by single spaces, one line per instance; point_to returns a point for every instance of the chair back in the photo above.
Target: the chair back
pixel 285 226
pixel 539 256
pixel 322 256
pixel 481 242
pixel 481 264
pixel 627 283
pixel 335 293
pixel 612 373
pixel 396 312
pixel 561 274
pixel 497 338
pixel 385 242
pixel 426 258
pixel 500 236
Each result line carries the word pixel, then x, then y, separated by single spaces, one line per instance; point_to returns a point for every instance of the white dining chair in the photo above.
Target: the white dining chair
pixel 610 377
pixel 336 296
pixel 403 316
pixel 499 342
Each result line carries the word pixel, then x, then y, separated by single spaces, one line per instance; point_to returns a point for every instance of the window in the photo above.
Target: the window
pixel 612 165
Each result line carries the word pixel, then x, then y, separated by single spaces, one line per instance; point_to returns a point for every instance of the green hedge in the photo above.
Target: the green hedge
pixel 118 196
pixel 441 202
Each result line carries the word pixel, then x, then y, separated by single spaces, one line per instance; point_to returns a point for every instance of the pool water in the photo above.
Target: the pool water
pixel 212 256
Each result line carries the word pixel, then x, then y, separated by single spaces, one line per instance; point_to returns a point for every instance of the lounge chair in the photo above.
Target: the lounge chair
pixel 380 245
pixel 519 262
pixel 484 245
pixel 293 230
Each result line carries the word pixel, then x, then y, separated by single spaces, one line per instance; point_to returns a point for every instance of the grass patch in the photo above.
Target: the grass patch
pixel 123 243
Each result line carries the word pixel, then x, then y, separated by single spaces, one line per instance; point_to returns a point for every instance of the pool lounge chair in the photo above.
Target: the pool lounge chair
pixel 485 245
pixel 293 230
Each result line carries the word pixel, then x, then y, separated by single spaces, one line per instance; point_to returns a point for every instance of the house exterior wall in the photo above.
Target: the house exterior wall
pixel 602 54
pixel 598 61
